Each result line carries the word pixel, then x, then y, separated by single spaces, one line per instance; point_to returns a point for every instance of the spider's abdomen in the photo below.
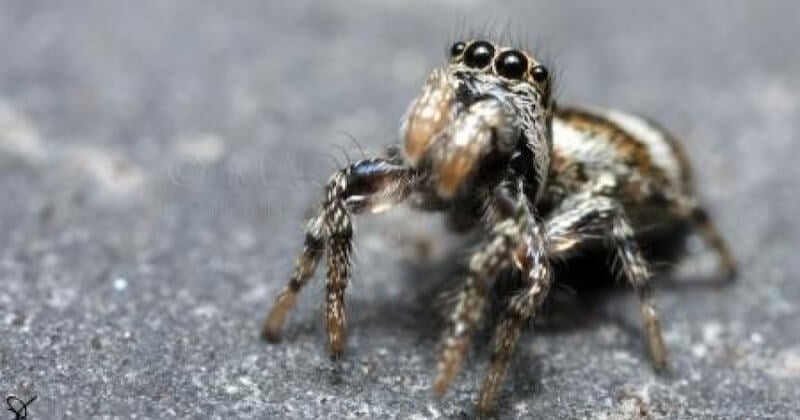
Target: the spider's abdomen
pixel 638 161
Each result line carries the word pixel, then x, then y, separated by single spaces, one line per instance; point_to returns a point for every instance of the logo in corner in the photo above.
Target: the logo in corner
pixel 19 407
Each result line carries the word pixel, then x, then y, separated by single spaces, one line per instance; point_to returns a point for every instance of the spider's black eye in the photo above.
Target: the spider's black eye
pixel 457 49
pixel 511 64
pixel 479 54
pixel 539 74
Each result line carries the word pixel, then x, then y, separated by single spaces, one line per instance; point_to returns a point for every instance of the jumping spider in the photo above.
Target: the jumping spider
pixel 485 144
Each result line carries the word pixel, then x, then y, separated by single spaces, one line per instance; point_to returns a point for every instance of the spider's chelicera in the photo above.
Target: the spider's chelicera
pixel 484 143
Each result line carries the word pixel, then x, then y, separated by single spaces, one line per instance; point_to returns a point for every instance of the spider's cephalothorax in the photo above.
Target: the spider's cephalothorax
pixel 484 143
pixel 490 107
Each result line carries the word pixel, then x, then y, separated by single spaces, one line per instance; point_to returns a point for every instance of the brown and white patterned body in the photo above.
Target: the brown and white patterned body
pixel 484 144
pixel 622 156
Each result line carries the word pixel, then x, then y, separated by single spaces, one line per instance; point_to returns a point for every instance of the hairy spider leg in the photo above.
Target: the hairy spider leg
pixel 530 257
pixel 485 263
pixel 587 215
pixel 369 185
pixel 701 221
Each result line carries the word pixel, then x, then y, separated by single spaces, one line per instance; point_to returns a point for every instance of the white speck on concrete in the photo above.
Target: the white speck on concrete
pixel 205 311
pixel 120 284
pixel 712 332
pixel 786 364
pixel 246 381
pixel 18 136
pixel 699 351
pixel 623 356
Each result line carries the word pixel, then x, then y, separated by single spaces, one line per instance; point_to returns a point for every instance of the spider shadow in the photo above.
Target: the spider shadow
pixel 585 283
pixel 420 312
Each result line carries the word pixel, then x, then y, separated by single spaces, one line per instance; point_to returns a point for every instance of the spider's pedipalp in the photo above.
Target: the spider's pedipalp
pixel 487 126
pixel 428 115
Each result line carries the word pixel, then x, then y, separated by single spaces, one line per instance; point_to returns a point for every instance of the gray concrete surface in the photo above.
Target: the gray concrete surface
pixel 157 160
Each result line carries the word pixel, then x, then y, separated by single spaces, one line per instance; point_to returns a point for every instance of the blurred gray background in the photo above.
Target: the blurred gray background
pixel 157 162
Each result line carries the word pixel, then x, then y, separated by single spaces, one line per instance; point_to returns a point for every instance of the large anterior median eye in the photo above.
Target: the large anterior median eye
pixel 479 54
pixel 511 64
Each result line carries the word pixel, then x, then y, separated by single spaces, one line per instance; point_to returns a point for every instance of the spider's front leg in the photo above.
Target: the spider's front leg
pixel 531 258
pixel 512 236
pixel 484 265
pixel 584 218
pixel 515 239
pixel 369 185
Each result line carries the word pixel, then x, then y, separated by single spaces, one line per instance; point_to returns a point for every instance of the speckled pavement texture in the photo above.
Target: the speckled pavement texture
pixel 157 160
